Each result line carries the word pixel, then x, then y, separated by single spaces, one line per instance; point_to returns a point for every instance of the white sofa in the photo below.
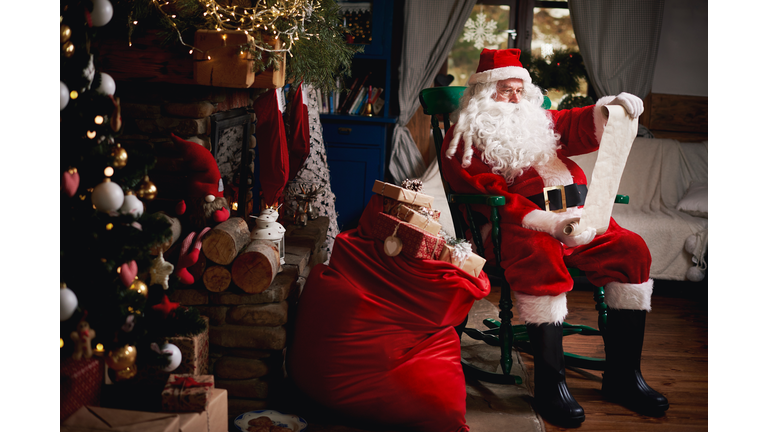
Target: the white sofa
pixel 657 177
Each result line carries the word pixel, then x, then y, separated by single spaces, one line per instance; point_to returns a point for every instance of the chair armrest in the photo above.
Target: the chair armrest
pixel 490 200
pixel 622 199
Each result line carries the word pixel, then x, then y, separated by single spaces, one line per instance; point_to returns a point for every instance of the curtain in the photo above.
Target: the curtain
pixel 619 41
pixel 430 29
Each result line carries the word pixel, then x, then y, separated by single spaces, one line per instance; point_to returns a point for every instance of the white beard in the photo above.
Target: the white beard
pixel 511 137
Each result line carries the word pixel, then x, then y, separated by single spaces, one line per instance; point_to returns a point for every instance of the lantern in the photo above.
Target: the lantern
pixel 267 228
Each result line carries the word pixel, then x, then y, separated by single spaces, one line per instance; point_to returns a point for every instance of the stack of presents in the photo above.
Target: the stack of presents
pixel 408 224
pixel 185 399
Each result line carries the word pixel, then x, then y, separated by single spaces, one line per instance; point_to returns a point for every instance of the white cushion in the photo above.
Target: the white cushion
pixel 694 201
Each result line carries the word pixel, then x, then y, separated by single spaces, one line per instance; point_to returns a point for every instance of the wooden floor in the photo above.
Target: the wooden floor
pixel 674 360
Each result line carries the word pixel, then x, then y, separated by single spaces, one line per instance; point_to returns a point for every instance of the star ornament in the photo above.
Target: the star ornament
pixel 160 271
pixel 165 306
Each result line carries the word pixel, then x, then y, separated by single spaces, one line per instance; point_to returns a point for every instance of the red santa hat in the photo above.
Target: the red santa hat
pixel 205 177
pixel 497 65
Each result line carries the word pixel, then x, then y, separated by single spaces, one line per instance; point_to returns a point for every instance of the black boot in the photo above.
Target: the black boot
pixel 552 399
pixel 622 381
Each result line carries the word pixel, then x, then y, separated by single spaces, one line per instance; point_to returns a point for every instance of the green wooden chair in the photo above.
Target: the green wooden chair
pixel 439 103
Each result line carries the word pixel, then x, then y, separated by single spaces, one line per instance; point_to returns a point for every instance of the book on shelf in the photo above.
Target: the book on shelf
pixel 355 90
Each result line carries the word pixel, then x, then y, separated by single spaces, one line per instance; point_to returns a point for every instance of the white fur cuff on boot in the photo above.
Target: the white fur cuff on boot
pixel 542 309
pixel 629 296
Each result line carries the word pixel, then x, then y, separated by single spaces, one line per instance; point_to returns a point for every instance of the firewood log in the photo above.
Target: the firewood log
pixel 256 267
pixel 225 241
pixel 217 278
pixel 175 234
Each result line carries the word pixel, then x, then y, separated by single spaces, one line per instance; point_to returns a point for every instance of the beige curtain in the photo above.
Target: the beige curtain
pixel 430 29
pixel 619 41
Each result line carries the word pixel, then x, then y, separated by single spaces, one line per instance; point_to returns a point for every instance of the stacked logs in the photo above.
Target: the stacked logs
pixel 230 257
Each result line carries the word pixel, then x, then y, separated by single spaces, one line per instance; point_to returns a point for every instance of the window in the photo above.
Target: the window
pixel 539 27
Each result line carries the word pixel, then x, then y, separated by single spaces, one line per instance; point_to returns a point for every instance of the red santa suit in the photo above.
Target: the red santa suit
pixel 535 262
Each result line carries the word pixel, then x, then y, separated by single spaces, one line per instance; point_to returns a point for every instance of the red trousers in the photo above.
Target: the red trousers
pixel 535 263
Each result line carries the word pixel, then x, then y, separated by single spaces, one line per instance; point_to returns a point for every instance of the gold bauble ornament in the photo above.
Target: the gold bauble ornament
pixel 126 373
pixel 140 286
pixel 146 190
pixel 121 358
pixel 120 157
pixel 66 33
pixel 69 49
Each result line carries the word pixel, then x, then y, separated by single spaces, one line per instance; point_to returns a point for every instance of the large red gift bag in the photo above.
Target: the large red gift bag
pixel 374 334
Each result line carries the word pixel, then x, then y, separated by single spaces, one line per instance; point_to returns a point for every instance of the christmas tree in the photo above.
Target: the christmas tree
pixel 114 280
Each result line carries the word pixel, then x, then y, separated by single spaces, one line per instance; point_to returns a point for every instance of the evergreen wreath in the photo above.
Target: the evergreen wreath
pixel 562 70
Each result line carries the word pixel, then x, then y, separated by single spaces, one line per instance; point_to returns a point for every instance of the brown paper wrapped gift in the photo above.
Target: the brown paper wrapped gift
pixel 90 419
pixel 223 59
pixel 472 263
pixel 417 243
pixel 194 352
pixel 186 393
pixel 422 221
pixel 214 419
pixel 403 195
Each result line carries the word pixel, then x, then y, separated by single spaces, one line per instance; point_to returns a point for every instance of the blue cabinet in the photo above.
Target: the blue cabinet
pixel 357 146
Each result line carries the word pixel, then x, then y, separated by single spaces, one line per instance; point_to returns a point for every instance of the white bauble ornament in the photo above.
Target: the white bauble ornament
pixel 175 356
pixel 64 96
pixel 107 85
pixel 101 13
pixel 68 303
pixel 107 196
pixel 132 205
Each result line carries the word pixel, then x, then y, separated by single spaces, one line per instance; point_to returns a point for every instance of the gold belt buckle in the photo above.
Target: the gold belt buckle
pixel 562 198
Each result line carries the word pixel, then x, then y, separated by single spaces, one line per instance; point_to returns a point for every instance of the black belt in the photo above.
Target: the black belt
pixel 558 198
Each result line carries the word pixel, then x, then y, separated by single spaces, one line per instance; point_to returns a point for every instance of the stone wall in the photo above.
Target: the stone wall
pixel 249 332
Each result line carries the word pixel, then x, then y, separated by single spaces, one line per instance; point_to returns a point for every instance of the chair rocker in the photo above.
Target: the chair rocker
pixel 439 103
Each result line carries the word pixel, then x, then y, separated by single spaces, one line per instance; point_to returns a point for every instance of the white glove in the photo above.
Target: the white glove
pixel 632 104
pixel 573 240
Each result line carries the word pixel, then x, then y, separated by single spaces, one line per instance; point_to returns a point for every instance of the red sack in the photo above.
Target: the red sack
pixel 374 336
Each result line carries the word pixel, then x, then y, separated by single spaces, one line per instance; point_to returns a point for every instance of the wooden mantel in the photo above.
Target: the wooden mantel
pixel 147 60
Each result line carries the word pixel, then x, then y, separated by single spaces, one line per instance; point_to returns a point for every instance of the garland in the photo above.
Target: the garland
pixel 310 30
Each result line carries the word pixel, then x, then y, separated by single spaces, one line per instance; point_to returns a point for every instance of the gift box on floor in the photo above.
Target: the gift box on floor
pixel 187 393
pixel 414 217
pixel 213 419
pixel 416 243
pixel 80 384
pixel 194 352
pixel 462 258
pixel 403 195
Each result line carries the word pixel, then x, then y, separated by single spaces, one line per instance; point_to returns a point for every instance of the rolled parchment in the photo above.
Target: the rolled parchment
pixel 619 134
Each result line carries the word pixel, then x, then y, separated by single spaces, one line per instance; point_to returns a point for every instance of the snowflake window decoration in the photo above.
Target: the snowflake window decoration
pixel 479 31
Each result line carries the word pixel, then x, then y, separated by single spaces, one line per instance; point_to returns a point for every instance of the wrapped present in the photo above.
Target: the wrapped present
pixel 186 393
pixel 194 352
pixel 223 59
pixel 80 384
pixel 421 220
pixel 415 242
pixel 461 256
pixel 90 419
pixel 401 194
pixel 213 419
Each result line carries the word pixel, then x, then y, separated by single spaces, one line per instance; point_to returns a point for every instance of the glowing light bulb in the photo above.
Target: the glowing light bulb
pixel 98 120
pixel 109 171
pixel 73 94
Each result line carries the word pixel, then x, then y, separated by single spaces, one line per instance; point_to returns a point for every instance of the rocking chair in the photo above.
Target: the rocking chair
pixel 439 103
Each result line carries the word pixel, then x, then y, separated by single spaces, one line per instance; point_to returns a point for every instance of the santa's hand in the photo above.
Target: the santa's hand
pixel 565 231
pixel 632 104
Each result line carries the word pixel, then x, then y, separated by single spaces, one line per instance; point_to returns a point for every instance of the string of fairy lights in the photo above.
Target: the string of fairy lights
pixel 260 18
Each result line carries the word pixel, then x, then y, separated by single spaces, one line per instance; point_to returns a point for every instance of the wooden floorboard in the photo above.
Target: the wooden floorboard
pixel 675 360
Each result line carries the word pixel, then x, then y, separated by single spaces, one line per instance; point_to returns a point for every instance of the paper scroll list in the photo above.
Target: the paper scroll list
pixel 619 134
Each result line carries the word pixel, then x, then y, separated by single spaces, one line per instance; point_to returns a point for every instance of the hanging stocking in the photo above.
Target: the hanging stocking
pixel 272 146
pixel 299 141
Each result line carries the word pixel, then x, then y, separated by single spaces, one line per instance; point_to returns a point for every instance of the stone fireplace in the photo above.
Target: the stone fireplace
pixel 248 333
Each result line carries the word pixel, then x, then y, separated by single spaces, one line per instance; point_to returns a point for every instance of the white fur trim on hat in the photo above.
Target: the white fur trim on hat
pixel 499 74
pixel 542 309
pixel 629 296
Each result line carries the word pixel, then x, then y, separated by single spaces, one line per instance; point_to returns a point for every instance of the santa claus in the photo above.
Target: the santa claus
pixel 504 143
